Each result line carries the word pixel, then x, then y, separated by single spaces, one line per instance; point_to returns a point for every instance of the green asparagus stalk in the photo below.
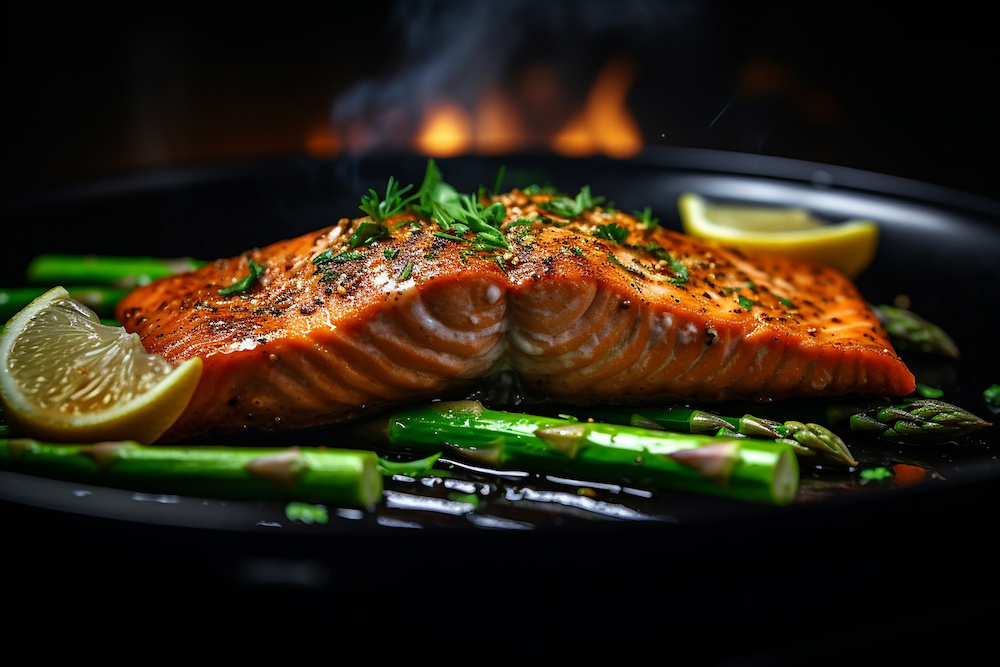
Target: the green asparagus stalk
pixel 56 269
pixel 739 468
pixel 808 439
pixel 99 298
pixel 909 331
pixel 341 477
pixel 917 420
pixel 912 420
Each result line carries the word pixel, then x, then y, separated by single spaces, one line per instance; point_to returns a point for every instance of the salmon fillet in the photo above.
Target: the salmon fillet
pixel 582 305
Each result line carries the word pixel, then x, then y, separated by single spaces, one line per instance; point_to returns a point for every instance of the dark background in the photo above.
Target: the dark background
pixel 92 91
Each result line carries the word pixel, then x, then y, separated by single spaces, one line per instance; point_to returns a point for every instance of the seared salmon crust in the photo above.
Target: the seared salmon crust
pixel 594 307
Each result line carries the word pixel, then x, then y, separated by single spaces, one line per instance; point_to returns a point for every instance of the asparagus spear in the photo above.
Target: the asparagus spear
pixel 913 420
pixel 342 477
pixel 56 269
pixel 909 331
pixel 739 468
pixel 99 298
pixel 916 420
pixel 806 438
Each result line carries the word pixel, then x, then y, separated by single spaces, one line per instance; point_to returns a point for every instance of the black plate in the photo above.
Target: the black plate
pixel 939 247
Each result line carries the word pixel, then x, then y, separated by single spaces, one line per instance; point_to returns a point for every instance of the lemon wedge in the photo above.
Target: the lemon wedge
pixel 66 377
pixel 847 246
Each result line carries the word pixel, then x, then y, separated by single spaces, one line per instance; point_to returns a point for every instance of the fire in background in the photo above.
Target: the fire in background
pixel 92 93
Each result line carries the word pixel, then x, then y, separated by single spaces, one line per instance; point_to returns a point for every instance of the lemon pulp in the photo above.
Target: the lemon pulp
pixel 848 247
pixel 65 376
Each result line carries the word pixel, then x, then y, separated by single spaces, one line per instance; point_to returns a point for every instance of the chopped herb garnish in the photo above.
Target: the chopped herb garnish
pixel 393 203
pixel 329 276
pixel 453 237
pixel 676 266
pixel 440 202
pixel 499 183
pixel 874 474
pixel 617 262
pixel 992 397
pixel 390 253
pixel 745 303
pixel 244 284
pixel 407 270
pixel 306 513
pixel 412 224
pixel 567 207
pixel 928 391
pixel 576 251
pixel 532 190
pixel 435 199
pixel 787 303
pixel 645 218
pixel 367 233
pixel 483 243
pixel 611 232
pixel 521 222
pixel 340 258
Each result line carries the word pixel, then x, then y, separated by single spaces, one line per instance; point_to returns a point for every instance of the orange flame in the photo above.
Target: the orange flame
pixel 604 124
pixel 498 124
pixel 499 127
pixel 446 131
pixel 321 141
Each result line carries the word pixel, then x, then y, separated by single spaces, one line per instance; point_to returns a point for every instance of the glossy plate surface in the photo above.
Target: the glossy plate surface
pixel 937 247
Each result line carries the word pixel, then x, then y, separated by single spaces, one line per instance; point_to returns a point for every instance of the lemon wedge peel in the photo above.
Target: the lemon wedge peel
pixel 146 394
pixel 848 247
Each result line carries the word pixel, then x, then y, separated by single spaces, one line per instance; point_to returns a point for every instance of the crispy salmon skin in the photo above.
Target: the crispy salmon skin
pixel 581 303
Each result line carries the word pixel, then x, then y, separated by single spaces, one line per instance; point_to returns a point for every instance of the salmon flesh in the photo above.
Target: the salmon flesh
pixel 580 303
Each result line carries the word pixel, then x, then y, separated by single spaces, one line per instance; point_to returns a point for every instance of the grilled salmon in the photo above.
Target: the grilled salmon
pixel 428 297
